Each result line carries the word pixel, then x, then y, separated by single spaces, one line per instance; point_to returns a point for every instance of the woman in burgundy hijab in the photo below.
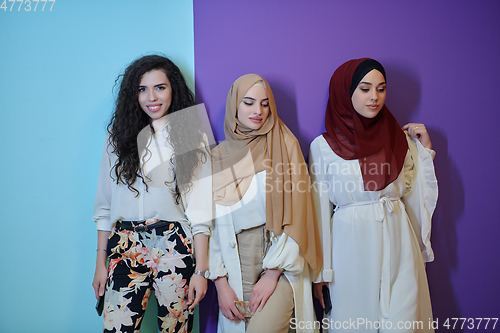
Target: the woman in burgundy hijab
pixel 376 191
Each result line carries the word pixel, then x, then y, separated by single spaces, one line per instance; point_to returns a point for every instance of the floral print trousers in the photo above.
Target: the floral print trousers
pixel 140 261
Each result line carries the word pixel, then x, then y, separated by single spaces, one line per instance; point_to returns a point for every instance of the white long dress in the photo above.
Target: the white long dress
pixel 283 254
pixel 375 243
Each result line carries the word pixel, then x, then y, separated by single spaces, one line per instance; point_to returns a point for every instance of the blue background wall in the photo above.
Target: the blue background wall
pixel 57 71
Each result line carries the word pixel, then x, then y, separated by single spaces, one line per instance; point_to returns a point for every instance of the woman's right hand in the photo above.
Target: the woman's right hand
pixel 100 277
pixel 418 131
pixel 226 297
pixel 318 292
pixel 101 271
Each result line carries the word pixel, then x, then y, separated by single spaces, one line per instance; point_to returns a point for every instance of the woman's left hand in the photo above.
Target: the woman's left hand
pixel 198 285
pixel 263 289
pixel 420 132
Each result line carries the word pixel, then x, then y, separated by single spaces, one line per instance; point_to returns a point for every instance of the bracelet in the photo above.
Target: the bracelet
pixel 98 249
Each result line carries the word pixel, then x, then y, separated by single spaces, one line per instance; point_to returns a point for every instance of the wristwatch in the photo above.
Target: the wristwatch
pixel 205 273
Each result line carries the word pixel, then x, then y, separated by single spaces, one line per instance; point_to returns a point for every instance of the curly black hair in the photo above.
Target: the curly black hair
pixel 129 120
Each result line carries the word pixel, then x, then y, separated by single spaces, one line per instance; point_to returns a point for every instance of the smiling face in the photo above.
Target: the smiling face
pixel 254 108
pixel 155 94
pixel 369 96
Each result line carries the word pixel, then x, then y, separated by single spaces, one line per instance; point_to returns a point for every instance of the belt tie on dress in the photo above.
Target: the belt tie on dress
pixel 385 205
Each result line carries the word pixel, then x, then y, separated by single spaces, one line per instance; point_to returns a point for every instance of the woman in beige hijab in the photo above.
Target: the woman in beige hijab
pixel 265 248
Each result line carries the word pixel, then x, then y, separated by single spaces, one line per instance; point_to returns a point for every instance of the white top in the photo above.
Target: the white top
pixel 115 202
pixel 250 212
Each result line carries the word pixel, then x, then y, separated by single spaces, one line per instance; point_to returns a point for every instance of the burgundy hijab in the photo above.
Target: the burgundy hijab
pixel 378 143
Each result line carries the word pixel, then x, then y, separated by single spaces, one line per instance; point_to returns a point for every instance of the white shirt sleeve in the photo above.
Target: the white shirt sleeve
pixel 284 254
pixel 199 204
pixel 215 259
pixel 324 208
pixel 102 203
pixel 421 194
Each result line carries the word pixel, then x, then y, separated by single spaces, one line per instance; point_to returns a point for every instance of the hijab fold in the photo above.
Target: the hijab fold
pixel 378 143
pixel 273 148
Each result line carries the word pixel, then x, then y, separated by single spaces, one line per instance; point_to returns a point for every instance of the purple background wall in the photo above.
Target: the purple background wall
pixel 442 69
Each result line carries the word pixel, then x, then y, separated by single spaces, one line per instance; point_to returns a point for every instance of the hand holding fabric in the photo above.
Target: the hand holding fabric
pixel 419 132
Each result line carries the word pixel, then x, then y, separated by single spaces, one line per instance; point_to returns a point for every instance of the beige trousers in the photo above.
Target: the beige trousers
pixel 276 314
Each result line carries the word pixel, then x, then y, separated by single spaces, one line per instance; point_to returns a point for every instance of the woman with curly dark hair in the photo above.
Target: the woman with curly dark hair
pixel 153 201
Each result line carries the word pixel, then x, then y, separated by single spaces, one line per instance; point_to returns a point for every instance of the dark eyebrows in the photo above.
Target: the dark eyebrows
pixel 381 83
pixel 253 99
pixel 156 85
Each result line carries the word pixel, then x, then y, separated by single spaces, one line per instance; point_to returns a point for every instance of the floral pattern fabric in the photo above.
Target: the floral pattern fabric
pixel 138 262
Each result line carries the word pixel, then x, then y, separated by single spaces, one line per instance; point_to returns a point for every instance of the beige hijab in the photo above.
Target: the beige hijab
pixel 273 147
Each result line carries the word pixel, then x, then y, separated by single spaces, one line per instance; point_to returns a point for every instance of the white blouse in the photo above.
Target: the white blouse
pixel 115 202
pixel 250 212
